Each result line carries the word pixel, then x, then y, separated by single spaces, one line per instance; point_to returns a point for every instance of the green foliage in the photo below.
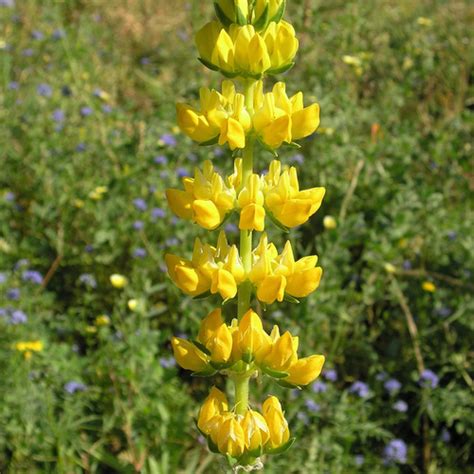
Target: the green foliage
pixel 86 101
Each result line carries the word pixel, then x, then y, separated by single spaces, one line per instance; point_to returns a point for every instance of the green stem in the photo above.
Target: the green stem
pixel 241 384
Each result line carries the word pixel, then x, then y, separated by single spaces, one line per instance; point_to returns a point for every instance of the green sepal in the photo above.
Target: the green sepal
pixel 202 296
pixel 283 448
pixel 256 453
pixel 267 148
pixel 276 374
pixel 232 461
pixel 240 18
pixel 291 299
pixel 230 75
pixel 282 69
pixel 211 445
pixel 221 16
pixel 209 65
pixel 279 14
pixel 221 365
pixel 285 384
pixel 262 22
pixel 205 373
pixel 210 142
pixel 201 347
pixel 294 145
pixel 247 357
pixel 277 222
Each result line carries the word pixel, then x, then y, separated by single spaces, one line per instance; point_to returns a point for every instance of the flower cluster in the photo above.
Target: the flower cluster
pixel 248 40
pixel 244 345
pixel 224 117
pixel 208 199
pixel 220 270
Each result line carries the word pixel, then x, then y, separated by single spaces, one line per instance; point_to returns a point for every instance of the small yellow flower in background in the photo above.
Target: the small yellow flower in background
pixel 5 247
pixel 31 346
pixel 329 222
pixel 428 286
pixel 91 329
pixel 102 320
pixel 352 60
pixel 132 304
pixel 98 192
pixel 79 203
pixel 329 131
pixel 3 44
pixel 423 21
pixel 390 268
pixel 408 63
pixel 118 281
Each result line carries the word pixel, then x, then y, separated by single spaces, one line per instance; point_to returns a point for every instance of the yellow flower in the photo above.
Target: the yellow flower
pixel 229 436
pixel 102 320
pixel 132 304
pixel 329 222
pixel 188 356
pixel 277 424
pixel 285 201
pixel 266 11
pixel 222 117
pixel 429 286
pixel 30 346
pixel 206 198
pixel 390 268
pixel 255 429
pixel 423 21
pixel 214 404
pixel 118 281
pixel 250 339
pixel 251 200
pixel 215 335
pixel 305 370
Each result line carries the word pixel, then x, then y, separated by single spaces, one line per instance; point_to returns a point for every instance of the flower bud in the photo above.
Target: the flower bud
pixel 255 428
pixel 305 370
pixel 277 424
pixel 188 356
pixel 229 436
pixel 250 337
pixel 215 404
pixel 232 11
pixel 267 11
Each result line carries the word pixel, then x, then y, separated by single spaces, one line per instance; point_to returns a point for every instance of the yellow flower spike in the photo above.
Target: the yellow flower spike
pixel 233 133
pixel 305 122
pixel 180 203
pixel 216 336
pixel 185 276
pixel 29 346
pixel 306 370
pixel 301 284
pixel 277 424
pixel 282 45
pixel 234 265
pixel 230 437
pixel 251 200
pixel 188 356
pixel 283 353
pixel 206 214
pixel 250 338
pixel 209 325
pixel 214 404
pixel 255 428
pixel 194 124
pixel 223 282
pixel 272 289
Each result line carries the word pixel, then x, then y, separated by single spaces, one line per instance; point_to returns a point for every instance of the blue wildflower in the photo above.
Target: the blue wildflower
pixel 18 317
pixel 13 294
pixel 182 172
pixel 3 312
pixel 32 276
pixel 139 252
pixel 407 265
pixel 171 242
pixel 452 235
pixel 359 388
pixel 330 374
pixel 167 362
pixel 14 85
pixel 80 147
pixel 231 228
pixel 168 139
pixel 311 405
pixel 359 459
pixel 23 262
pixel 319 386
pixel 89 248
pixel 73 387
pixel 9 196
pixel 429 379
pixel 88 280
pixel 58 34
pixel 445 435
pixel 86 111
pixel 298 158
pixel 106 108
pixel 400 406
pixel 7 3
pixel 140 204
pixel 44 90
pixel 138 225
pixel 37 35
pixel 157 213
pixel 28 52
pixel 145 61
pixel 218 152
pixel 395 452
pixel 444 311
pixel 392 386
pixel 58 115
pixel 3 277
pixel 381 376
pixel 160 160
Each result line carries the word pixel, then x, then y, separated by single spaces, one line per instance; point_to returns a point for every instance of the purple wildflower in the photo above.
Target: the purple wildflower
pixel 44 90
pixel 138 225
pixel 14 85
pixel 73 387
pixel 139 252
pixel 392 386
pixel 298 158
pixel 107 109
pixel 58 34
pixel 407 265
pixel 303 417
pixel 89 248
pixel 359 459
pixel 167 362
pixel 160 160
pixel 58 115
pixel 88 280
pixel 86 111
pixel 330 374
pixel 231 228
pixel 444 311
pixel 452 235
pixel 168 139
pixel 140 204
pixel 311 405
pixel 157 213
pixel 13 294
pixel 359 388
pixel 3 312
pixel 319 387
pixel 3 277
pixel 445 435
pixel 429 379
pixel 28 52
pixel 7 3
pixel 182 172
pixel 32 276
pixel 381 376
pixel 171 242
pixel 218 152
pixel 164 174
pixel 395 452
pixel 18 317
pixel 23 262
pixel 37 35
pixel 145 61
pixel 81 147
pixel 9 196
pixel 400 406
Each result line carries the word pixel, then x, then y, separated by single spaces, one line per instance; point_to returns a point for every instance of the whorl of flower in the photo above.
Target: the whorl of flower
pixel 223 118
pixel 220 270
pixel 243 51
pixel 239 436
pixel 208 198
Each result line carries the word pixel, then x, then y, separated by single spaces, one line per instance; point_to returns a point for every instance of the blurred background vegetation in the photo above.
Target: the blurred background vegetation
pixel 88 144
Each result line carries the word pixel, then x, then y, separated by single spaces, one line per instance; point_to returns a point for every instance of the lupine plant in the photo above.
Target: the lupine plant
pixel 248 41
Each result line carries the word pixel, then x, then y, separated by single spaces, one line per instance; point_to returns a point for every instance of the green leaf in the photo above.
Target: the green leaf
pixel 209 65
pixel 228 74
pixel 222 16
pixel 201 347
pixel 221 365
pixel 279 14
pixel 285 384
pixel 262 22
pixel 291 299
pixel 240 18
pixel 281 70
pixel 276 374
pixel 285 447
pixel 247 357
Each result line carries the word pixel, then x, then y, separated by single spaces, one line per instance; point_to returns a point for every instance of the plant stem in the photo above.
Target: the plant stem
pixel 241 384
